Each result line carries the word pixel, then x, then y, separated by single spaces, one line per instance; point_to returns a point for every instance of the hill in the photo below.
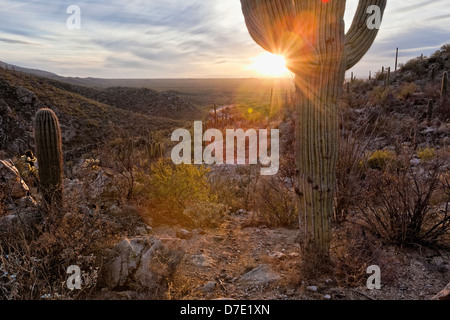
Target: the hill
pixel 85 123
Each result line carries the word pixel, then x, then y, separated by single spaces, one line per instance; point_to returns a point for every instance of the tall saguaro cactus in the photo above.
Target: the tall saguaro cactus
pixel 310 34
pixel 47 136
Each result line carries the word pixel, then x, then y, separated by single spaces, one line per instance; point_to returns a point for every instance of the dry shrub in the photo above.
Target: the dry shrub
pixel 349 173
pixel 234 186
pixel 407 205
pixel 34 257
pixel 353 252
pixel 275 203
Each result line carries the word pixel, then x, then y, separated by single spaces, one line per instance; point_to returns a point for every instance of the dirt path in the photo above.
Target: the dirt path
pixel 236 261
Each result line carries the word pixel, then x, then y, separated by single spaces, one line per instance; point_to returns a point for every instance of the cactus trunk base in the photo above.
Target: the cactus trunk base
pixel 316 140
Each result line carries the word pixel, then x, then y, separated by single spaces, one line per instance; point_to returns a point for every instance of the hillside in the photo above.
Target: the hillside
pixel 85 123
pixel 141 100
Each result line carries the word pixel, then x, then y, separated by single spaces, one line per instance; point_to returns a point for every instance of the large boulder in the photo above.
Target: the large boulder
pixel 11 184
pixel 142 264
pixel 25 96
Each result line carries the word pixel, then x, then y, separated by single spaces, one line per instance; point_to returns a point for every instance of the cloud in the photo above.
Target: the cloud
pixel 175 38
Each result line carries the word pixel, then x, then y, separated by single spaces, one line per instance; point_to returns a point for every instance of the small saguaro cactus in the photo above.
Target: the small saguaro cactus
pixel 396 59
pixel 430 110
pixel 433 72
pixel 444 87
pixel 47 135
pixel 387 80
pixel 310 34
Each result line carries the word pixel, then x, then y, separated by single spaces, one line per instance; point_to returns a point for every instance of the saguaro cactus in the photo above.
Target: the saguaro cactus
pixel 310 34
pixel 444 87
pixel 430 110
pixel 47 135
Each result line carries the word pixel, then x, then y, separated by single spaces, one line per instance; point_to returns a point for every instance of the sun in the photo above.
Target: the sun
pixel 269 64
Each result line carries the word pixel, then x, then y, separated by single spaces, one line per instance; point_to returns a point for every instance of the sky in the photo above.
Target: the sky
pixel 184 38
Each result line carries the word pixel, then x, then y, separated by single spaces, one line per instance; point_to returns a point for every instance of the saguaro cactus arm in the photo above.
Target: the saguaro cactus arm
pixel 360 37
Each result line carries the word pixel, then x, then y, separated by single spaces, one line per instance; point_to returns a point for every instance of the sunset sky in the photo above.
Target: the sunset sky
pixel 183 39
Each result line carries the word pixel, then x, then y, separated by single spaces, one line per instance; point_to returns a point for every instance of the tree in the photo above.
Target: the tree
pixel 310 34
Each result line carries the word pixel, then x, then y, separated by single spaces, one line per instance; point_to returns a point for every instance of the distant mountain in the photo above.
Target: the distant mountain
pixel 36 72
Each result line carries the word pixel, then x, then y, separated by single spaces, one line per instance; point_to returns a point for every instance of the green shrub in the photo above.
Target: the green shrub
pixel 426 154
pixel 170 189
pixel 205 214
pixel 380 159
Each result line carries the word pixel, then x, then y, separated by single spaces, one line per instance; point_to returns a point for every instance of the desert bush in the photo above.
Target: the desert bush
pixel 206 214
pixel 170 189
pixel 353 251
pixel 349 173
pixel 34 257
pixel 406 90
pixel 407 205
pixel 383 96
pixel 275 203
pixel 380 159
pixel 426 154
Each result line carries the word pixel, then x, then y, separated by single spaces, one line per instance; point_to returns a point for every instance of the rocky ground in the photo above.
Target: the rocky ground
pixel 237 261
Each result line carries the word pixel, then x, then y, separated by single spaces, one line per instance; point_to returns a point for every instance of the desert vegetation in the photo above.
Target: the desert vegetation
pixel 200 232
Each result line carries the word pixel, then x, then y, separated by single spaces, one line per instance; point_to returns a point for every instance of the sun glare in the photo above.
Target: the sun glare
pixel 269 64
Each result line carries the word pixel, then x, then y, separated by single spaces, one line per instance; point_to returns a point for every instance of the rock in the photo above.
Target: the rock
pixel 415 162
pixel 141 263
pixel 105 188
pixel 27 217
pixel 202 261
pixel 277 255
pixel 5 110
pixel 260 275
pixel 11 184
pixel 25 96
pixel 184 234
pixel 312 288
pixel 140 231
pixel 209 287
pixel 444 294
pixel 199 231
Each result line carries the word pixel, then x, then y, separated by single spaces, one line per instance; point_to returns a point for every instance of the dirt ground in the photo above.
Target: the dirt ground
pixel 237 261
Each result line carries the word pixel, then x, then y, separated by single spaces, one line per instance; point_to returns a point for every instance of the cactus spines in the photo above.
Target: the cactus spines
pixel 311 36
pixel 444 87
pixel 430 109
pixel 47 135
